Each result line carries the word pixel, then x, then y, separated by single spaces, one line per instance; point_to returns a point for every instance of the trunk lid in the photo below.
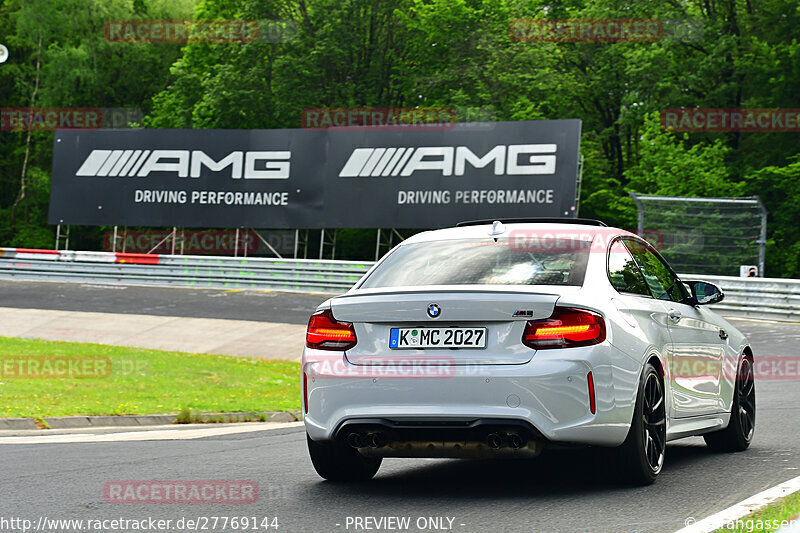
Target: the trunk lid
pixel 503 313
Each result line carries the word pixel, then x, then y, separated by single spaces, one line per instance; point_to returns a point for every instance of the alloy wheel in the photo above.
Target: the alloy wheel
pixel 745 385
pixel 654 422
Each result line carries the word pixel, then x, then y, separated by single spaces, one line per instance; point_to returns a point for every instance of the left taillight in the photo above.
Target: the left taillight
pixel 326 333
pixel 566 327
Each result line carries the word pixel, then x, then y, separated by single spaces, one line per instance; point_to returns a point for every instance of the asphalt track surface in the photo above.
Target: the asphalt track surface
pixel 261 306
pixel 560 491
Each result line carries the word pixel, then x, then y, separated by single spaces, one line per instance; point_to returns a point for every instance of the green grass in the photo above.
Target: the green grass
pixel 144 382
pixel 763 520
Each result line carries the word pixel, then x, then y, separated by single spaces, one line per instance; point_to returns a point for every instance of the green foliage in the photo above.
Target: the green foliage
pixel 779 188
pixel 603 196
pixel 78 68
pixel 455 53
pixel 666 166
pixel 185 416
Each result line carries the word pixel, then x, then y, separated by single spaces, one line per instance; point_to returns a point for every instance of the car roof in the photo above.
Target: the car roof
pixel 483 231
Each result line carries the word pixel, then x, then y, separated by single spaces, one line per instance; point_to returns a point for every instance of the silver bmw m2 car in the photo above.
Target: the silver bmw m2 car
pixel 502 338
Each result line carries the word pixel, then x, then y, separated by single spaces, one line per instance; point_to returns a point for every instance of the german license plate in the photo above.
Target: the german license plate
pixel 437 338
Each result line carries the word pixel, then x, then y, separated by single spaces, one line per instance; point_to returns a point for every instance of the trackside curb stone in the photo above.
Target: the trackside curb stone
pixel 67 422
pixel 17 423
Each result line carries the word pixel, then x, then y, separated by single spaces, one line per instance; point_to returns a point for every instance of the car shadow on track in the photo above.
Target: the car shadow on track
pixel 554 473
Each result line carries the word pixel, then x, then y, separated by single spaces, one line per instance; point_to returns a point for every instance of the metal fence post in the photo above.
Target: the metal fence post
pixel 639 213
pixel 580 185
pixel 762 239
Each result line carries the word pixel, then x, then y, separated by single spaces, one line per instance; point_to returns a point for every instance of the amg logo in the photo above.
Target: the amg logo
pixel 449 160
pixel 141 163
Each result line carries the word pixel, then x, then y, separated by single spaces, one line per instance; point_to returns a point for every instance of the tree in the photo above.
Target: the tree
pixel 779 188
pixel 59 57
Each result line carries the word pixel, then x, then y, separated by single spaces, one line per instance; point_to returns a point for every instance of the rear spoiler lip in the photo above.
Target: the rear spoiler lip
pixel 541 290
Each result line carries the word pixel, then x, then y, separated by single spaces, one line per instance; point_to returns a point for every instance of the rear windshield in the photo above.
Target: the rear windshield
pixel 465 262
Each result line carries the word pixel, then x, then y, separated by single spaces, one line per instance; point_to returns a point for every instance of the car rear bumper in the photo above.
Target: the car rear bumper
pixel 549 396
pixel 452 437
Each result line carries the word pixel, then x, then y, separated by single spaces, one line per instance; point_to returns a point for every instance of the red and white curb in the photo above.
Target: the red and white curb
pixel 727 516
pixel 71 255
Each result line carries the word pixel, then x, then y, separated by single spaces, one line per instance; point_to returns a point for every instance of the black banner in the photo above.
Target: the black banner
pixel 337 178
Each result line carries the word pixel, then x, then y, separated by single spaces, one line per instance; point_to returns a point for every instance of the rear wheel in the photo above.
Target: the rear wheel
pixel 338 462
pixel 641 456
pixel 739 433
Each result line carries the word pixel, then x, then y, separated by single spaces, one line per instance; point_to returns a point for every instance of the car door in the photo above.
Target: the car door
pixel 696 351
pixel 646 316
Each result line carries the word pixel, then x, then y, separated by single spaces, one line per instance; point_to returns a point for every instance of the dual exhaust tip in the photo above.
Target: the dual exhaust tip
pixel 378 439
pixel 497 441
pixel 371 440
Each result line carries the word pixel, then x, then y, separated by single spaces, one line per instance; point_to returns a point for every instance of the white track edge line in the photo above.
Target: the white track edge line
pixel 146 435
pixel 742 509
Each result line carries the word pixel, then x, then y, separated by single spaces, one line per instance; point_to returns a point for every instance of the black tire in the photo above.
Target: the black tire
pixel 739 433
pixel 338 462
pixel 641 456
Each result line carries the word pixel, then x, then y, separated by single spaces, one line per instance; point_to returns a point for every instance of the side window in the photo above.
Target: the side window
pixel 623 272
pixel 662 284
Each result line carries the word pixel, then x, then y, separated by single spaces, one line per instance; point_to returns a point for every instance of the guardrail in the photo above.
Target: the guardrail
pixel 765 298
pixel 181 270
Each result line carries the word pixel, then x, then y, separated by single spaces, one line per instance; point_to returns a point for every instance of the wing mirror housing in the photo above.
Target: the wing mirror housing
pixel 704 293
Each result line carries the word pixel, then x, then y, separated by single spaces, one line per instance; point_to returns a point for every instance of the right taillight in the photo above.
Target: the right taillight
pixel 592 400
pixel 326 333
pixel 305 391
pixel 565 328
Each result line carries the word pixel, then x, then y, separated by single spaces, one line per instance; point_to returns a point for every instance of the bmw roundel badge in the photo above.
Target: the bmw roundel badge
pixel 434 310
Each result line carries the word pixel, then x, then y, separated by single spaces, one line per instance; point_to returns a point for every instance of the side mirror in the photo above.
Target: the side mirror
pixel 704 293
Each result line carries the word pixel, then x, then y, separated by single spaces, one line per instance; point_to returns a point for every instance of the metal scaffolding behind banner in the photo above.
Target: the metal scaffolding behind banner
pixel 303 240
pixel 62 236
pixel 386 241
